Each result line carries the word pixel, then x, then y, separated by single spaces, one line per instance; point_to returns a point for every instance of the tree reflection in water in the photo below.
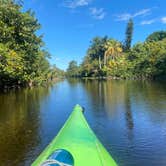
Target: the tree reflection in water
pixel 19 122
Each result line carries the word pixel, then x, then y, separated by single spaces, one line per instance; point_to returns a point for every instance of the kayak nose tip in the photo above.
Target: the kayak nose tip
pixel 81 108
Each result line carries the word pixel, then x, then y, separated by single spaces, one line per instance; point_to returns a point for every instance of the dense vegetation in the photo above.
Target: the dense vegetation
pixel 23 59
pixel 107 57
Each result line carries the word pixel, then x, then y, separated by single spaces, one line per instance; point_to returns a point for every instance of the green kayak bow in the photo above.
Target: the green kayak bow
pixel 75 145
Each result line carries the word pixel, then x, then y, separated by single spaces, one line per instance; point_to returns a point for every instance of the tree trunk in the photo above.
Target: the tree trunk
pixel 30 83
pixel 99 62
pixel 105 59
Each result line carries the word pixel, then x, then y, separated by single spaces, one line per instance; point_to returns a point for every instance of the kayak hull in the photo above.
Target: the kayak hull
pixel 77 138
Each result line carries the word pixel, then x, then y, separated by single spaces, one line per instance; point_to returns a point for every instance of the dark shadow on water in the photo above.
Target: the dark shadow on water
pixel 19 125
pixel 128 113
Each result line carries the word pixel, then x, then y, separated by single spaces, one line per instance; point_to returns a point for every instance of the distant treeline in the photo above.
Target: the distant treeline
pixel 107 57
pixel 23 58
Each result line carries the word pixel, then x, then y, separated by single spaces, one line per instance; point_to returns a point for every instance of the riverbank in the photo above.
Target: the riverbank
pixel 5 88
pixel 24 60
pixel 163 78
pixel 106 57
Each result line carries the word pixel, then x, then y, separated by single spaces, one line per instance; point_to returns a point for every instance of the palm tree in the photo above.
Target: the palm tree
pixel 113 50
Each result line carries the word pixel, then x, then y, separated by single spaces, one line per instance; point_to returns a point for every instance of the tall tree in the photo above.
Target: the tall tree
pixel 129 35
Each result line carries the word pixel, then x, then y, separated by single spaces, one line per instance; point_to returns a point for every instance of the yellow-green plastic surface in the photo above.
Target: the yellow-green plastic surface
pixel 77 138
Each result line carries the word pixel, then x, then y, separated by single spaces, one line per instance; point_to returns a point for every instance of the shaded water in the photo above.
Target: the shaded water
pixel 129 117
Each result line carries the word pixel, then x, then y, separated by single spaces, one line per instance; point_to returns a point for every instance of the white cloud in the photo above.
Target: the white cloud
pixel 123 17
pixel 142 12
pixel 148 22
pixel 163 20
pixel 76 3
pixel 98 14
pixel 127 16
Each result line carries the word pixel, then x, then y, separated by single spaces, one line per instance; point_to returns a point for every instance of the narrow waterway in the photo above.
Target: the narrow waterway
pixel 129 118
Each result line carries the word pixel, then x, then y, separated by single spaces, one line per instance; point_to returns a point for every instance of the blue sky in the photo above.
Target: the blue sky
pixel 69 25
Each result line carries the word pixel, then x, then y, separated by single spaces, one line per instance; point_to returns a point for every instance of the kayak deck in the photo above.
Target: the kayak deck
pixel 77 138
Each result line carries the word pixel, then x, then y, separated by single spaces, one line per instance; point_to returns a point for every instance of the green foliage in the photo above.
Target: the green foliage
pixel 11 66
pixel 129 35
pixel 113 50
pixel 101 51
pixel 156 36
pixel 86 67
pixel 56 73
pixel 96 50
pixel 106 57
pixel 148 59
pixel 22 57
pixel 73 69
pixel 144 61
pixel 119 68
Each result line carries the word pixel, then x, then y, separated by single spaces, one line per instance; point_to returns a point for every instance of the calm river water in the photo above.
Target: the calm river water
pixel 129 117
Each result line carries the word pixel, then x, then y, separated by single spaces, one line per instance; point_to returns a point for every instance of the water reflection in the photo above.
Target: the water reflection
pixel 112 97
pixel 128 113
pixel 129 117
pixel 19 124
pixel 115 95
pixel 136 115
